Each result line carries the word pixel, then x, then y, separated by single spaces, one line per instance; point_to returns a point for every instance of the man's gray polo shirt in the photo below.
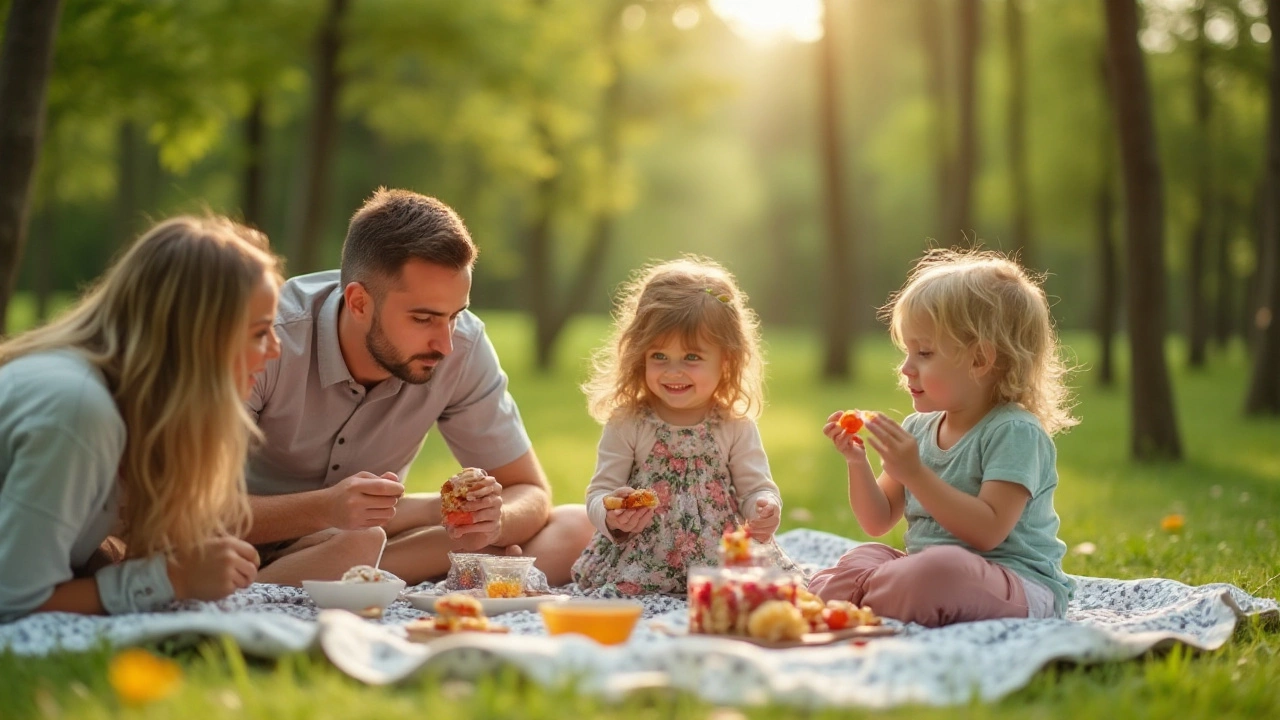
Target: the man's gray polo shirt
pixel 322 426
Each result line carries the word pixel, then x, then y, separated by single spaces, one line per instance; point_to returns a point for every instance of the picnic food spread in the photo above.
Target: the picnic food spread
pixel 764 603
pixel 453 495
pixel 637 499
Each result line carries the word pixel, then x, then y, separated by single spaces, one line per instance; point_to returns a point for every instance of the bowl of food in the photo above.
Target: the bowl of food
pixel 504 575
pixel 361 588
pixel 608 622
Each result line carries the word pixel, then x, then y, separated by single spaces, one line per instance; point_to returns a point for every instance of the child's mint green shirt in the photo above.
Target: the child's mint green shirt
pixel 1009 445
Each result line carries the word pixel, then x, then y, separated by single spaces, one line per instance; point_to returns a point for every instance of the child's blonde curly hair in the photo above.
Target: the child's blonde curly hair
pixel 980 298
pixel 697 299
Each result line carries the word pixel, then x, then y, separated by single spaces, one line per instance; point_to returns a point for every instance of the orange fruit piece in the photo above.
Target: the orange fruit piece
pixel 458 517
pixel 851 421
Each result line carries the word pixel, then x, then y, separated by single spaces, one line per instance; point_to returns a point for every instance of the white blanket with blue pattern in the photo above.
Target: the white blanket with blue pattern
pixel 1107 620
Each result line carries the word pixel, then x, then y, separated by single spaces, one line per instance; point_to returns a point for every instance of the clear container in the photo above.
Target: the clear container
pixel 504 576
pixel 465 572
pixel 722 599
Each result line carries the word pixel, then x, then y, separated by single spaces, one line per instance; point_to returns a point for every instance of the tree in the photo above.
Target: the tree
pixel 1264 383
pixel 25 61
pixel 1019 171
pixel 960 214
pixel 1197 270
pixel 1104 208
pixel 1154 424
pixel 310 205
pixel 932 43
pixel 841 289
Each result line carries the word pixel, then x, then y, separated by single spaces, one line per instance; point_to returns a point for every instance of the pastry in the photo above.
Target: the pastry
pixel 453 496
pixel 637 499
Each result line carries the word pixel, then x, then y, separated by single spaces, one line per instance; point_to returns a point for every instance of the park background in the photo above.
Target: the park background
pixel 815 149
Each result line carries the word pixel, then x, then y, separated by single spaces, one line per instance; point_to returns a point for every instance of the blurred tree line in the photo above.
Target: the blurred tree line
pixel 581 138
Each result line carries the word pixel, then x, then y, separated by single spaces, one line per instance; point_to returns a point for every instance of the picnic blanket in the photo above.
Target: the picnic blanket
pixel 1107 620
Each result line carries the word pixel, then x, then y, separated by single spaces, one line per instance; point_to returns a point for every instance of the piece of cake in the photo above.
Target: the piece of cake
pixel 638 499
pixel 453 496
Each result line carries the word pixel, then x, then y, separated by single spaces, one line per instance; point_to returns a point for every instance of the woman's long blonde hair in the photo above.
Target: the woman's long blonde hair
pixel 980 298
pixel 167 327
pixel 697 299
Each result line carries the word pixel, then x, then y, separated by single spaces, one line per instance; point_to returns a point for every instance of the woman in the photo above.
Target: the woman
pixel 125 417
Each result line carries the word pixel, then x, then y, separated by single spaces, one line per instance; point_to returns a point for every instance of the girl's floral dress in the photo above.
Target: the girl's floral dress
pixel 696 503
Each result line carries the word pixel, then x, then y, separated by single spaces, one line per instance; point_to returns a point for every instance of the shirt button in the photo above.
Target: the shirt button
pixel 355 391
pixel 335 467
pixel 341 440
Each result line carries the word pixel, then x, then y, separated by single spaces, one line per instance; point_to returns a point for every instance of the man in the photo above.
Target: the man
pixel 372 356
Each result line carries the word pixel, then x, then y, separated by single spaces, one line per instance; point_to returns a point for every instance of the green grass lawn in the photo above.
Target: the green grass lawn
pixel 1228 488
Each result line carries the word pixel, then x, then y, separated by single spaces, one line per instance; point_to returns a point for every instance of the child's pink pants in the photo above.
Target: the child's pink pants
pixel 940 585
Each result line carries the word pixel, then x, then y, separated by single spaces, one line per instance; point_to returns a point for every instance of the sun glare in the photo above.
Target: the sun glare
pixel 770 20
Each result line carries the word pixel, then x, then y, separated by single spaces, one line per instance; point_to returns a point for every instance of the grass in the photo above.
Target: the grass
pixel 1227 487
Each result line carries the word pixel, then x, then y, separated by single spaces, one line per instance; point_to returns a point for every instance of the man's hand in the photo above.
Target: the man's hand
pixel 221 567
pixel 628 520
pixel 767 517
pixel 363 500
pixel 484 502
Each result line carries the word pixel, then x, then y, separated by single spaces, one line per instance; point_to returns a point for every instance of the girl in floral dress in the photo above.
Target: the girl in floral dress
pixel 677 388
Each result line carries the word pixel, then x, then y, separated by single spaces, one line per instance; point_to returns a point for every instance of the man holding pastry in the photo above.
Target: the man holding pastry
pixel 372 357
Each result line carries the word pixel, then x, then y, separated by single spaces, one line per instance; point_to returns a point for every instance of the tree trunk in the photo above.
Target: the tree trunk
pixel 1197 306
pixel 841 287
pixel 1224 283
pixel 42 254
pixel 255 155
pixel 1019 170
pixel 934 48
pixel 551 318
pixel 309 207
pixel 128 182
pixel 960 218
pixel 1155 430
pixel 1263 397
pixel 25 63
pixel 1104 209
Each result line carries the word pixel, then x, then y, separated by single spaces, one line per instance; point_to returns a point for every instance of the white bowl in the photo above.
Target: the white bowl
pixel 353 596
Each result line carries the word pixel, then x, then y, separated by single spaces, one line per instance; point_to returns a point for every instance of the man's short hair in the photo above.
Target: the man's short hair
pixel 395 226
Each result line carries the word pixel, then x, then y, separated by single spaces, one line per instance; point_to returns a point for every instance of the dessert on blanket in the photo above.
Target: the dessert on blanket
pixel 453 495
pixel 749 602
pixel 367 574
pixel 735 547
pixel 465 572
pixel 637 499
pixel 454 613
pixel 504 575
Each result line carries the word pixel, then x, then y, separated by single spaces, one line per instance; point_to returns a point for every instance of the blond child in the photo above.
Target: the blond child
pixel 973 469
pixel 677 388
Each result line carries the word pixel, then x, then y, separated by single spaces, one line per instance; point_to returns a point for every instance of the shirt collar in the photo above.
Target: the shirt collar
pixel 333 369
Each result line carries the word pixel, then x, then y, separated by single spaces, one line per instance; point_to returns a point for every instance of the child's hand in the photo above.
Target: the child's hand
pixel 628 520
pixel 848 444
pixel 899 453
pixel 765 523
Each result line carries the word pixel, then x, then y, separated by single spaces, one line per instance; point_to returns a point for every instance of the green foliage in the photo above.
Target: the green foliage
pixel 1228 490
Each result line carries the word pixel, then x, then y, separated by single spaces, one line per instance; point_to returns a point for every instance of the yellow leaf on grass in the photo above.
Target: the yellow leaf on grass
pixel 1172 523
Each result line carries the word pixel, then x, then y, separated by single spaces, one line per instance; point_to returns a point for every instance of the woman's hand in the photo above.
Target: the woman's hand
pixel 222 566
pixel 767 517
pixel 899 453
pixel 848 444
pixel 628 520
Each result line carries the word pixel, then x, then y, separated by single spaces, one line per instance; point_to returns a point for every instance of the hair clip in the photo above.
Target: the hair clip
pixel 724 298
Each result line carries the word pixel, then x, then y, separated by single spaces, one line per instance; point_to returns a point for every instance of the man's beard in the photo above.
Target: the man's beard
pixel 386 355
